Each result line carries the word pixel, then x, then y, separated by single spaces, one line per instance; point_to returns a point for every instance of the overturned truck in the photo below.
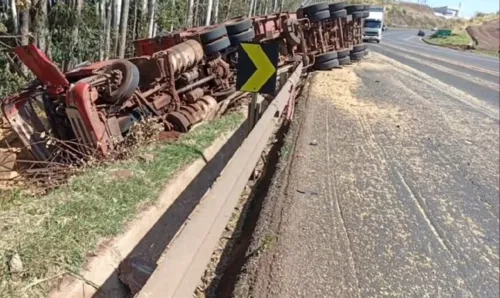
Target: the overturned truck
pixel 177 79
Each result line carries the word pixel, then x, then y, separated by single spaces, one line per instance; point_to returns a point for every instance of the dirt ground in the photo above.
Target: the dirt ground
pixel 391 190
pixel 486 35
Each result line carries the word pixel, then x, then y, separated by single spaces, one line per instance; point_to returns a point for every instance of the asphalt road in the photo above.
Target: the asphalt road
pixel 392 189
pixel 410 40
pixel 475 74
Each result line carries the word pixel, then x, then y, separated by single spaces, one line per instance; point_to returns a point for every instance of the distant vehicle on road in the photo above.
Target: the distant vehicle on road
pixel 421 33
pixel 434 29
pixel 374 24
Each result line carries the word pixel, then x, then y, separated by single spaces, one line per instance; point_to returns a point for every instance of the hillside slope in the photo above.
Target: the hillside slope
pixel 417 16
pixel 486 35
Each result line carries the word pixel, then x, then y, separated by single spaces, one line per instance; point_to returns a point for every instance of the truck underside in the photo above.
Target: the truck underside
pixel 177 79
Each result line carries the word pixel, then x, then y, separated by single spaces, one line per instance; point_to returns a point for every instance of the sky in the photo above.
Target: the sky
pixel 469 7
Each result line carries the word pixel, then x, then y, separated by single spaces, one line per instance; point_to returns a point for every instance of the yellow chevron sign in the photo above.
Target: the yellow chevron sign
pixel 256 69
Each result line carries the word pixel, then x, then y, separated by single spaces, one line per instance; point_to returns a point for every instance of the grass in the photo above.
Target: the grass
pixel 55 233
pixel 489 53
pixel 460 39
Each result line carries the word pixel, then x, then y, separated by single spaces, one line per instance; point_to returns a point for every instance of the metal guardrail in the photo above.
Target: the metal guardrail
pixel 186 259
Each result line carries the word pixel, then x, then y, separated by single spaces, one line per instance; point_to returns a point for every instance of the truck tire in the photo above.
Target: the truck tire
pixel 236 39
pixel 345 61
pixel 128 84
pixel 358 48
pixel 311 9
pixel 238 25
pixel 352 8
pixel 209 35
pixel 319 16
pixel 325 57
pixel 357 56
pixel 358 14
pixel 343 53
pixel 338 14
pixel 336 6
pixel 216 46
pixel 327 65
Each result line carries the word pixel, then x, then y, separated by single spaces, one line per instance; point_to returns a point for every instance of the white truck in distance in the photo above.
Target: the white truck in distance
pixel 374 25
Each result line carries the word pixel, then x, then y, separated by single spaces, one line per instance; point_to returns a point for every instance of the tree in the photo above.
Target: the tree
pixel 123 28
pixel 151 17
pixel 14 17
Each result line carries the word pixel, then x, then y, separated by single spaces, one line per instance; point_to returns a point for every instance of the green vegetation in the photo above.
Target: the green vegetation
pixel 459 39
pixel 54 234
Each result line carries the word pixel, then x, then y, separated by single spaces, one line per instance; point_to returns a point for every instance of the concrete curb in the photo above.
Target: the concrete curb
pixel 100 268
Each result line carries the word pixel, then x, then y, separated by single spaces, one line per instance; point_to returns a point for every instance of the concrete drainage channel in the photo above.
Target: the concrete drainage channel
pixel 185 260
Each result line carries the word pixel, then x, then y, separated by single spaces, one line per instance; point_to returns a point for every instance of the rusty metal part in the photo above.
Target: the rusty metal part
pixel 189 76
pixel 195 84
pixel 180 122
pixel 161 100
pixel 192 114
pixel 185 55
pixel 224 92
pixel 209 106
pixel 193 95
pixel 290 29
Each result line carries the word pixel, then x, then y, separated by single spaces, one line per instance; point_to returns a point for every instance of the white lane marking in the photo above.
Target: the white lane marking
pixel 408 38
pixel 420 44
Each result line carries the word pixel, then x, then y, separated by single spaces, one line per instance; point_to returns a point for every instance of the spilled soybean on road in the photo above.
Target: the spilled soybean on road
pixel 392 190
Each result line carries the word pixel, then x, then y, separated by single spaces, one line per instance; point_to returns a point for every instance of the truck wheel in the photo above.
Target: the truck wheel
pixel 211 34
pixel 236 39
pixel 352 8
pixel 336 6
pixel 127 83
pixel 308 10
pixel 345 61
pixel 319 16
pixel 216 46
pixel 358 14
pixel 338 14
pixel 238 25
pixel 325 57
pixel 327 65
pixel 358 48
pixel 357 56
pixel 343 53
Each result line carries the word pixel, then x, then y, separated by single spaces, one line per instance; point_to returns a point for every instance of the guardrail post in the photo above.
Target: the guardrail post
pixel 252 111
pixel 256 108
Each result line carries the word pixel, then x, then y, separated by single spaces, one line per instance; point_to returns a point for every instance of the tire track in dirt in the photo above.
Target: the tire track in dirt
pixel 335 205
pixel 444 156
pixel 426 215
